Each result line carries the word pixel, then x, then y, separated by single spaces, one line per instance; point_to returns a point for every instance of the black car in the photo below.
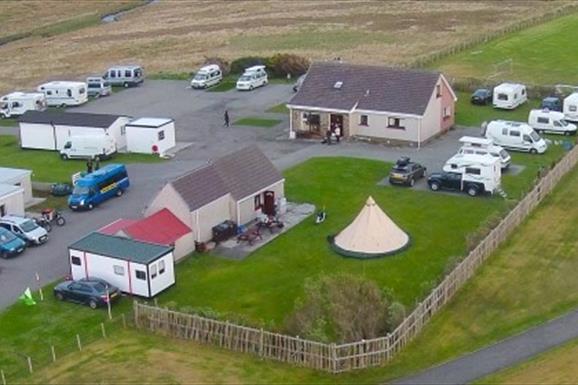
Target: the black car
pixel 92 292
pixel 406 172
pixel 482 96
pixel 453 181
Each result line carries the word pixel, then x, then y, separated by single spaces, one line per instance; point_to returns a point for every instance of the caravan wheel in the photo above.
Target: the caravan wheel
pixel 533 151
pixel 125 85
pixel 64 157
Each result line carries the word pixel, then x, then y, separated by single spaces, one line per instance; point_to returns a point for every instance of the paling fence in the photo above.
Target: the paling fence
pixel 336 358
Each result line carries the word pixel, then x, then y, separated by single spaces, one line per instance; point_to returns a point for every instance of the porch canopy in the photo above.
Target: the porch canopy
pixel 372 234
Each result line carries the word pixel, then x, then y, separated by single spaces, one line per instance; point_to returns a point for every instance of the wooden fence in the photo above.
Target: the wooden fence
pixel 357 355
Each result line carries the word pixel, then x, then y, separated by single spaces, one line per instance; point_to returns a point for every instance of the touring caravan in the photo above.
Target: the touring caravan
pixel 207 76
pixel 64 93
pixel 570 108
pixel 481 146
pixel 126 76
pixel 88 146
pixel 17 103
pixel 516 136
pixel 550 121
pixel 509 95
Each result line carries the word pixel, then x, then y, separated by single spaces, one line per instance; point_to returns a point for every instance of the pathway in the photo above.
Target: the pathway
pixel 502 355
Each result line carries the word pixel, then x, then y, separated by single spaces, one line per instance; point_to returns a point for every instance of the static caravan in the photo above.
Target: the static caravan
pixel 17 103
pixel 550 121
pixel 19 178
pixel 51 130
pixel 509 95
pixel 570 108
pixel 516 136
pixel 64 93
pixel 135 267
pixel 150 135
pixel 126 76
pixel 11 200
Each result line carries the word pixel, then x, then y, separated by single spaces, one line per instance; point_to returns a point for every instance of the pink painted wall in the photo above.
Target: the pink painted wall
pixel 447 101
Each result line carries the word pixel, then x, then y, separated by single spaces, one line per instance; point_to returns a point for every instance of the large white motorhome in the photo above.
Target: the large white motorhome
pixel 509 95
pixel 126 76
pixel 516 136
pixel 62 93
pixel 17 103
pixel 570 108
pixel 550 121
pixel 472 145
pixel 252 78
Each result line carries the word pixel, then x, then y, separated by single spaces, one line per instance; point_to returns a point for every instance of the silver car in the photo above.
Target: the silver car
pixel 25 229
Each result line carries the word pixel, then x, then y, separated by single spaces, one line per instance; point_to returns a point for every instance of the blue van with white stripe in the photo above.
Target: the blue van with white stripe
pixel 99 186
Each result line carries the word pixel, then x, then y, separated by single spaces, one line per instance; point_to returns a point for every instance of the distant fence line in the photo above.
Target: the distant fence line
pixel 523 24
pixel 338 358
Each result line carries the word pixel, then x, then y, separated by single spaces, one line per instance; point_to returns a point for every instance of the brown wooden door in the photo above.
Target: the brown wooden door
pixel 269 203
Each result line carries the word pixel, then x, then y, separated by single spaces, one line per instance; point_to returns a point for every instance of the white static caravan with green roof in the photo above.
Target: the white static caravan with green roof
pixel 135 267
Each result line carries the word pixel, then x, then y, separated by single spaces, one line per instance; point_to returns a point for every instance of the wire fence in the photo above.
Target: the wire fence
pixel 17 365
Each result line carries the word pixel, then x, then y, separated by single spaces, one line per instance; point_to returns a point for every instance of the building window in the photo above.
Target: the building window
pixel 394 123
pixel 363 120
pixel 75 261
pixel 153 271
pixel 161 135
pixel 141 275
pixel 257 202
pixel 447 112
pixel 118 270
pixel 161 267
pixel 438 90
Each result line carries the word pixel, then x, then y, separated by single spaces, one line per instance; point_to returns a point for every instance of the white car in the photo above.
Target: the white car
pixel 25 229
pixel 252 78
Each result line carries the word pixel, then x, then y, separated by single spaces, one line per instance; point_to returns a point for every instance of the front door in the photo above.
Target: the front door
pixel 269 203
pixel 336 124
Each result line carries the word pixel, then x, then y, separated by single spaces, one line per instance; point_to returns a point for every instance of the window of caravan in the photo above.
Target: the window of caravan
pixel 474 171
pixel 504 131
pixel 534 136
pixel 523 91
pixel 572 108
pixel 81 91
pixel 543 120
pixel 502 97
pixel 515 133
pixel 127 73
pixel 48 93
pixel 69 92
pixel 113 74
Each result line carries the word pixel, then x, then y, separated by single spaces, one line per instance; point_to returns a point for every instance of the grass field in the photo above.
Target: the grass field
pixel 540 55
pixel 557 366
pixel 175 37
pixel 257 122
pixel 279 109
pixel 47 166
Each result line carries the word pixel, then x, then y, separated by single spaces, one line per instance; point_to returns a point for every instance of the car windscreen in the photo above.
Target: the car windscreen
pixel 6 236
pixel 563 123
pixel 402 169
pixel 503 154
pixel 93 85
pixel 245 78
pixel 481 93
pixel 200 77
pixel 99 287
pixel 80 190
pixel 535 137
pixel 28 226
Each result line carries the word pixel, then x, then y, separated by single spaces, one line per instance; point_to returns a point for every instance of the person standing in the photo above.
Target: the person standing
pixel 328 136
pixel 337 134
pixel 226 116
pixel 89 165
pixel 97 163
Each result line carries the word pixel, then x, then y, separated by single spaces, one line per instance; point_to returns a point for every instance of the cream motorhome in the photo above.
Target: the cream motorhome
pixel 253 77
pixel 515 136
pixel 17 103
pixel 509 95
pixel 481 146
pixel 550 121
pixel 570 108
pixel 64 93
pixel 207 76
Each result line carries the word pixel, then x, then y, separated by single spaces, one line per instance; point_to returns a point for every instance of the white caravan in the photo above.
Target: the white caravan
pixel 481 146
pixel 64 93
pixel 207 76
pixel 83 147
pixel 550 121
pixel 509 95
pixel 17 103
pixel 253 77
pixel 475 174
pixel 515 136
pixel 570 108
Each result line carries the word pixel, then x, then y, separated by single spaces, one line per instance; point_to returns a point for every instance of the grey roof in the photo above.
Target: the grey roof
pixel 69 118
pixel 121 248
pixel 241 174
pixel 9 174
pixel 369 87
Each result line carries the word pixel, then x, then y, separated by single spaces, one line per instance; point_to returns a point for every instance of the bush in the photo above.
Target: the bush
pixel 222 63
pixel 283 64
pixel 238 66
pixel 343 307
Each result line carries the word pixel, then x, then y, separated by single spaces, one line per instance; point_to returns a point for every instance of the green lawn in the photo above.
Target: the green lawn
pixel 557 366
pixel 228 83
pixel 257 122
pixel 471 115
pixel 279 109
pixel 10 122
pixel 545 54
pixel 47 166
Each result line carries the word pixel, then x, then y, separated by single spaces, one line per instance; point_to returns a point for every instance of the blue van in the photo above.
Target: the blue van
pixel 98 186
pixel 10 244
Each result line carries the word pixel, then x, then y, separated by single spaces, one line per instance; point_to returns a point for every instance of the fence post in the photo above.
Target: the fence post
pixel 333 358
pixel 29 360
pixel 3 377
pixel 103 329
pixel 78 342
pixel 261 338
pixel 53 351
pixel 135 311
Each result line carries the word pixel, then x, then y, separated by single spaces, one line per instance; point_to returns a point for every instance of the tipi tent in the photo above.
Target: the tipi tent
pixel 372 234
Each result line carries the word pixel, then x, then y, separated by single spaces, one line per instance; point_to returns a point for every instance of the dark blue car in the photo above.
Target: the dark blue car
pixel 10 244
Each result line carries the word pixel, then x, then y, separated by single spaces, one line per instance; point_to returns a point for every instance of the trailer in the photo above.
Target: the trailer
pixel 135 267
pixel 17 103
pixel 508 96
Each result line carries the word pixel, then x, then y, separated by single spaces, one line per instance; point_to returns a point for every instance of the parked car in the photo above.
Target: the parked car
pixel 97 86
pixel 552 103
pixel 298 83
pixel 10 244
pixel 93 292
pixel 481 96
pixel 25 228
pixel 406 172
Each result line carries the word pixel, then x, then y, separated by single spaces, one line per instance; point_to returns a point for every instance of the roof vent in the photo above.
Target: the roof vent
pixel 338 85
